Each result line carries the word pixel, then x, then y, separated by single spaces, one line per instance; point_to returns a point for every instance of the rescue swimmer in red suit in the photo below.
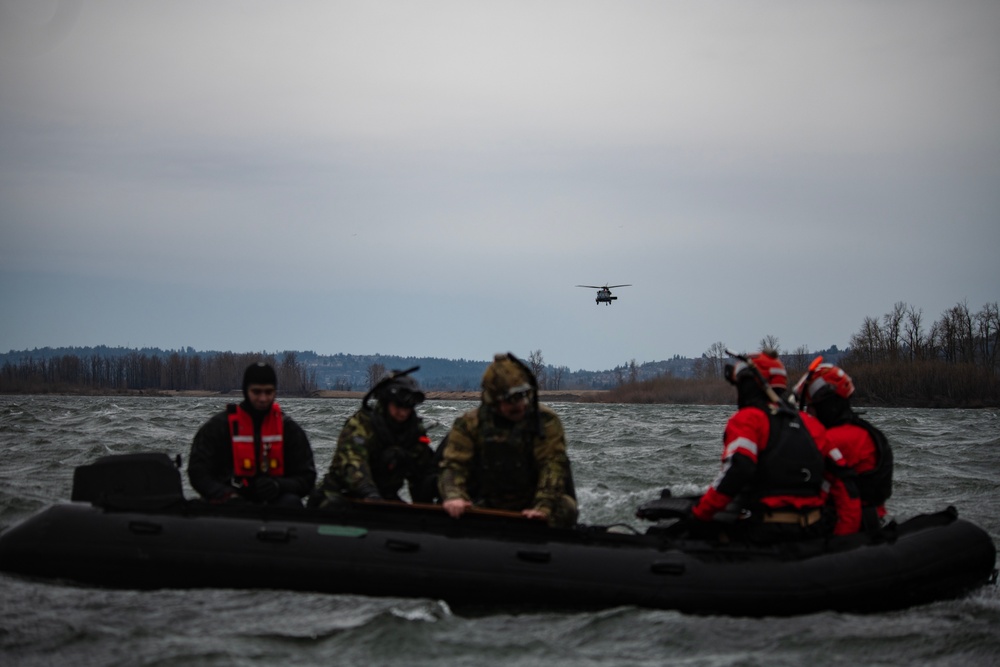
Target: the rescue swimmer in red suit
pixel 253 452
pixel 777 464
pixel 826 394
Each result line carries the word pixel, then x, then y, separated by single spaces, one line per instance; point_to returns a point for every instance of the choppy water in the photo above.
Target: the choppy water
pixel 621 455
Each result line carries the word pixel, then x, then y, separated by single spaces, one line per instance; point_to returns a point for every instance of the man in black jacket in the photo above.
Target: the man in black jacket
pixel 252 451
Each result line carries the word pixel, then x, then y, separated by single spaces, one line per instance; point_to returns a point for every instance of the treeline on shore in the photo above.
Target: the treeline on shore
pixel 138 371
pixel 893 359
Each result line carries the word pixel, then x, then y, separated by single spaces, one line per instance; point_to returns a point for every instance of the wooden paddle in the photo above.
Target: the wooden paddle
pixel 474 511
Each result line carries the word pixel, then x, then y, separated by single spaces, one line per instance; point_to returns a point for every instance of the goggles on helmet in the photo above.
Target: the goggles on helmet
pixel 403 397
pixel 519 394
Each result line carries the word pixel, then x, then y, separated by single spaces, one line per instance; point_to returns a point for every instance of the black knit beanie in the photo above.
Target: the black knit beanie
pixel 259 373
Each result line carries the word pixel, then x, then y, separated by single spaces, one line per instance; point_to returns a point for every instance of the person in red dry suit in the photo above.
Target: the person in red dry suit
pixel 826 395
pixel 777 463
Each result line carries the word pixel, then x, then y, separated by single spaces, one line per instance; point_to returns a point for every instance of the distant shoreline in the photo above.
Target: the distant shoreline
pixel 545 395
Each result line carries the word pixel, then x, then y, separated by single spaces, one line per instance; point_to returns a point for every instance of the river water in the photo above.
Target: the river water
pixel 621 456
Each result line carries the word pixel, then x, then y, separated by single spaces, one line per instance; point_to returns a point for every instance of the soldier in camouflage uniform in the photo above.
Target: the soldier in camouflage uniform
pixel 509 453
pixel 382 447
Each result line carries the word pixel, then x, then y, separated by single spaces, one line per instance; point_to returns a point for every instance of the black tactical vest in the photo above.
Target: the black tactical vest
pixel 875 484
pixel 791 463
pixel 507 473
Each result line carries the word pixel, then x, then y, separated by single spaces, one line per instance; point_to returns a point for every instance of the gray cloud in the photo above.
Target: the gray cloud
pixel 439 175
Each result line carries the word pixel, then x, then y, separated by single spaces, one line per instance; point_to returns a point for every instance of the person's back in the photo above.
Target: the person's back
pixel 865 449
pixel 773 460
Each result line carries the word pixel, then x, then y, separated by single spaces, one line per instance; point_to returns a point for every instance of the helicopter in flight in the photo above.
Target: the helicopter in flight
pixel 604 293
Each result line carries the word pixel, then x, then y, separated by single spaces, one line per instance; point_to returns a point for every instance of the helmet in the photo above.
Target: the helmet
pixel 767 362
pixel 402 390
pixel 829 380
pixel 507 376
pixel 396 387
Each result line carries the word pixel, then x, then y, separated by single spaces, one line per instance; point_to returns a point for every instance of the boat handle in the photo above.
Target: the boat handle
pixel 667 567
pixel 145 527
pixel 402 546
pixel 275 534
pixel 534 556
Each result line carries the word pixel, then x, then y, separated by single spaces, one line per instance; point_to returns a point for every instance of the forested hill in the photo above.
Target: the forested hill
pixel 349 372
pixel 893 359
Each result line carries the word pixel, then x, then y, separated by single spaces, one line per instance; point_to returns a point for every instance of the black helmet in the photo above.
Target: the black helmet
pixel 397 387
pixel 402 390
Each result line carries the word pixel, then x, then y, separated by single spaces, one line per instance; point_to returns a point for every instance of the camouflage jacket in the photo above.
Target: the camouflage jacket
pixel 374 460
pixel 505 465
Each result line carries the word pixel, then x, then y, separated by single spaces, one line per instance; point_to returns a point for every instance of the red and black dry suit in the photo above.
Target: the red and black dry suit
pixel 240 444
pixel 780 465
pixel 866 450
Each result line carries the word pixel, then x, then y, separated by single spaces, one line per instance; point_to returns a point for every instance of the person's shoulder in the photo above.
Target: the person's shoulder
pixel 361 416
pixel 467 422
pixel 470 415
pixel 848 432
pixel 750 414
pixel 290 424
pixel 545 409
pixel 810 419
pixel 220 417
pixel 548 414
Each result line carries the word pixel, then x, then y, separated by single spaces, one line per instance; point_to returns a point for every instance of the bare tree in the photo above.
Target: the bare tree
pixel 714 360
pixel 867 343
pixel 633 372
pixel 913 333
pixel 770 342
pixel 891 329
pixel 537 365
pixel 797 362
pixel 376 371
pixel 557 377
pixel 988 334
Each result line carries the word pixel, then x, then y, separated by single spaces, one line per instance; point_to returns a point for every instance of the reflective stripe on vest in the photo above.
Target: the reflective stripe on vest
pixel 245 460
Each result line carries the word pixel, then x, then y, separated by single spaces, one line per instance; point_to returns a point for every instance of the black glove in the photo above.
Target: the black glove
pixel 265 489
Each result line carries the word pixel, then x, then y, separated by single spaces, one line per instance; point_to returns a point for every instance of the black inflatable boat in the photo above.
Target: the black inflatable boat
pixel 130 526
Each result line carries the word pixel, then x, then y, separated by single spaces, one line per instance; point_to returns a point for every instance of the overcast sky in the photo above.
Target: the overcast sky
pixel 433 178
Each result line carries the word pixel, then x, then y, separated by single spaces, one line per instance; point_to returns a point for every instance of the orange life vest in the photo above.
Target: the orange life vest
pixel 246 462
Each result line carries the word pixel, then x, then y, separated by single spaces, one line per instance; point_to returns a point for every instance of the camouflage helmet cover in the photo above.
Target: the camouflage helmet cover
pixel 506 375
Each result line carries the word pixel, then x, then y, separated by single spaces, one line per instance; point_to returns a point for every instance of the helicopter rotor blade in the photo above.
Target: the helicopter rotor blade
pixel 610 286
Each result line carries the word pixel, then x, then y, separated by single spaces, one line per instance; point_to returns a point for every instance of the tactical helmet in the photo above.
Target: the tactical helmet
pixel 402 390
pixel 829 380
pixel 766 362
pixel 506 377
pixel 396 387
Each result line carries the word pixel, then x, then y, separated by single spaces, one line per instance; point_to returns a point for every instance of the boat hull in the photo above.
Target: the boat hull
pixel 409 552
